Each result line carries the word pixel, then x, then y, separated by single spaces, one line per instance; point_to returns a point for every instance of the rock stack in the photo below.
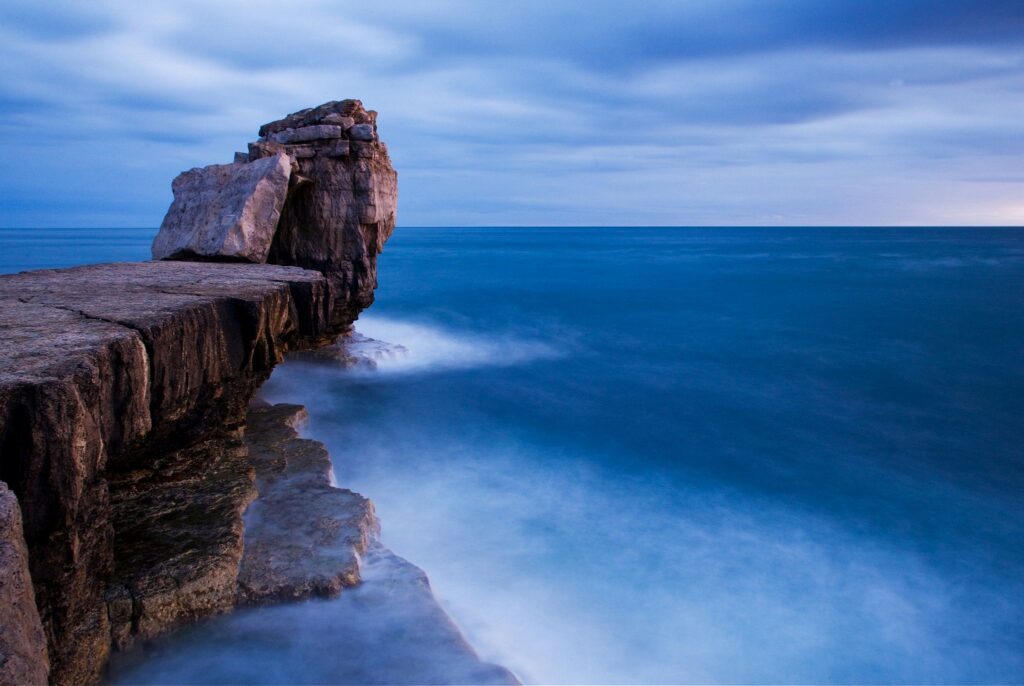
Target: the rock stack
pixel 317 190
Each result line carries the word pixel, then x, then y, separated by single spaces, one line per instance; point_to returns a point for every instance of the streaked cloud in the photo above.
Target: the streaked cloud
pixel 534 112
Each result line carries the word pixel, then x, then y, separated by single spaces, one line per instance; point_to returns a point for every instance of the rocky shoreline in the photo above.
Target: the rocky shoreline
pixel 140 488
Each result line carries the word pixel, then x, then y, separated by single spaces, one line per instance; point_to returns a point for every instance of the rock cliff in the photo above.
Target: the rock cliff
pixel 123 391
pixel 139 487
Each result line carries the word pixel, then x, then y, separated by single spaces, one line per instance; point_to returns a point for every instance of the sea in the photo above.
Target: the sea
pixel 665 455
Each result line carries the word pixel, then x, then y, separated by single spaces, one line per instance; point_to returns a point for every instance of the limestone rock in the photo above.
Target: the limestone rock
pixel 225 211
pixel 23 656
pixel 303 536
pixel 361 132
pixel 345 123
pixel 178 537
pixel 337 223
pixel 307 133
pixel 114 380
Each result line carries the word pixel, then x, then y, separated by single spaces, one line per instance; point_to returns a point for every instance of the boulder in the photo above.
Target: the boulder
pixel 225 211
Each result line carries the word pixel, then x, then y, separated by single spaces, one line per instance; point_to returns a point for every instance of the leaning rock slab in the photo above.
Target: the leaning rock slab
pixel 225 211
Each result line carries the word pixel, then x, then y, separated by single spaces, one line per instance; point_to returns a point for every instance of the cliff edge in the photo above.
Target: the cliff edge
pixel 123 392
pixel 124 389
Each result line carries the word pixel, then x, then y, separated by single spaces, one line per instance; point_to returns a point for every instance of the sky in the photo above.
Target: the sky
pixel 798 112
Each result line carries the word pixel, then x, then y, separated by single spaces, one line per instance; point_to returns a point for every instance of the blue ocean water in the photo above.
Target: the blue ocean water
pixel 690 455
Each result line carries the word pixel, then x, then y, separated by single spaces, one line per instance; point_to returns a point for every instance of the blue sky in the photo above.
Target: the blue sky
pixel 540 113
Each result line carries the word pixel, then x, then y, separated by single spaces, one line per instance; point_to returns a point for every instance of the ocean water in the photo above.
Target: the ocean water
pixel 682 455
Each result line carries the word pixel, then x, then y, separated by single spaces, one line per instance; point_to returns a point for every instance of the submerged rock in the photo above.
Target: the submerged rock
pixel 303 536
pixel 353 350
pixel 225 211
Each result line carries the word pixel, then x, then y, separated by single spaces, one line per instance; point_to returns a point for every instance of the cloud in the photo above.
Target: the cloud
pixel 531 112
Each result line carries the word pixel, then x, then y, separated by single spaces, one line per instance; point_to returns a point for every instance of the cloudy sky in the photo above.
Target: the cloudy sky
pixel 540 113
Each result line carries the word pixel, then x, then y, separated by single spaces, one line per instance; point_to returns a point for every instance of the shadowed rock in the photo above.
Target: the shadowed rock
pixel 225 211
pixel 23 658
pixel 338 220
pixel 120 386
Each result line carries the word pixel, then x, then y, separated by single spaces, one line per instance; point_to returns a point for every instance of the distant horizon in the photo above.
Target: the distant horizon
pixel 588 226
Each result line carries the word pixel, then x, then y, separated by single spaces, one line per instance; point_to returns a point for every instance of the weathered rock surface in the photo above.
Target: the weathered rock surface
pixel 178 536
pixel 113 378
pixel 306 538
pixel 333 214
pixel 23 656
pixel 303 536
pixel 225 211
pixel 336 222
pixel 307 133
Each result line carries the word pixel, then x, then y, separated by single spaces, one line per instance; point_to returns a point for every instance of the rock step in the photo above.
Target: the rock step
pixel 109 375
pixel 303 536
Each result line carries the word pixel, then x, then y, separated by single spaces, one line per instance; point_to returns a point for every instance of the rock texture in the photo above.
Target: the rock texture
pixel 225 211
pixel 306 538
pixel 303 536
pixel 23 656
pixel 123 389
pixel 332 214
pixel 338 216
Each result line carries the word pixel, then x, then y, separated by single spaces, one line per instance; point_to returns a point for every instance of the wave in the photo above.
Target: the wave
pixel 401 346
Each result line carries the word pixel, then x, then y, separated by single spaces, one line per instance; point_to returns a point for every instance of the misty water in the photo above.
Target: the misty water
pixel 670 455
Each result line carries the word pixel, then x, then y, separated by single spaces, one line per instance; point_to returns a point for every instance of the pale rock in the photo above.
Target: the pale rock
pixel 301 151
pixel 345 123
pixel 225 211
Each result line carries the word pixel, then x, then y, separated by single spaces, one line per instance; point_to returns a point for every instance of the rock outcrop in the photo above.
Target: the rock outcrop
pixel 123 390
pixel 306 538
pixel 339 203
pixel 145 490
pixel 225 211
pixel 303 536
pixel 23 655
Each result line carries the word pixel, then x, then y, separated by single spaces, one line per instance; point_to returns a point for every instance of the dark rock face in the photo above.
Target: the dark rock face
pixel 23 657
pixel 113 379
pixel 305 537
pixel 343 202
